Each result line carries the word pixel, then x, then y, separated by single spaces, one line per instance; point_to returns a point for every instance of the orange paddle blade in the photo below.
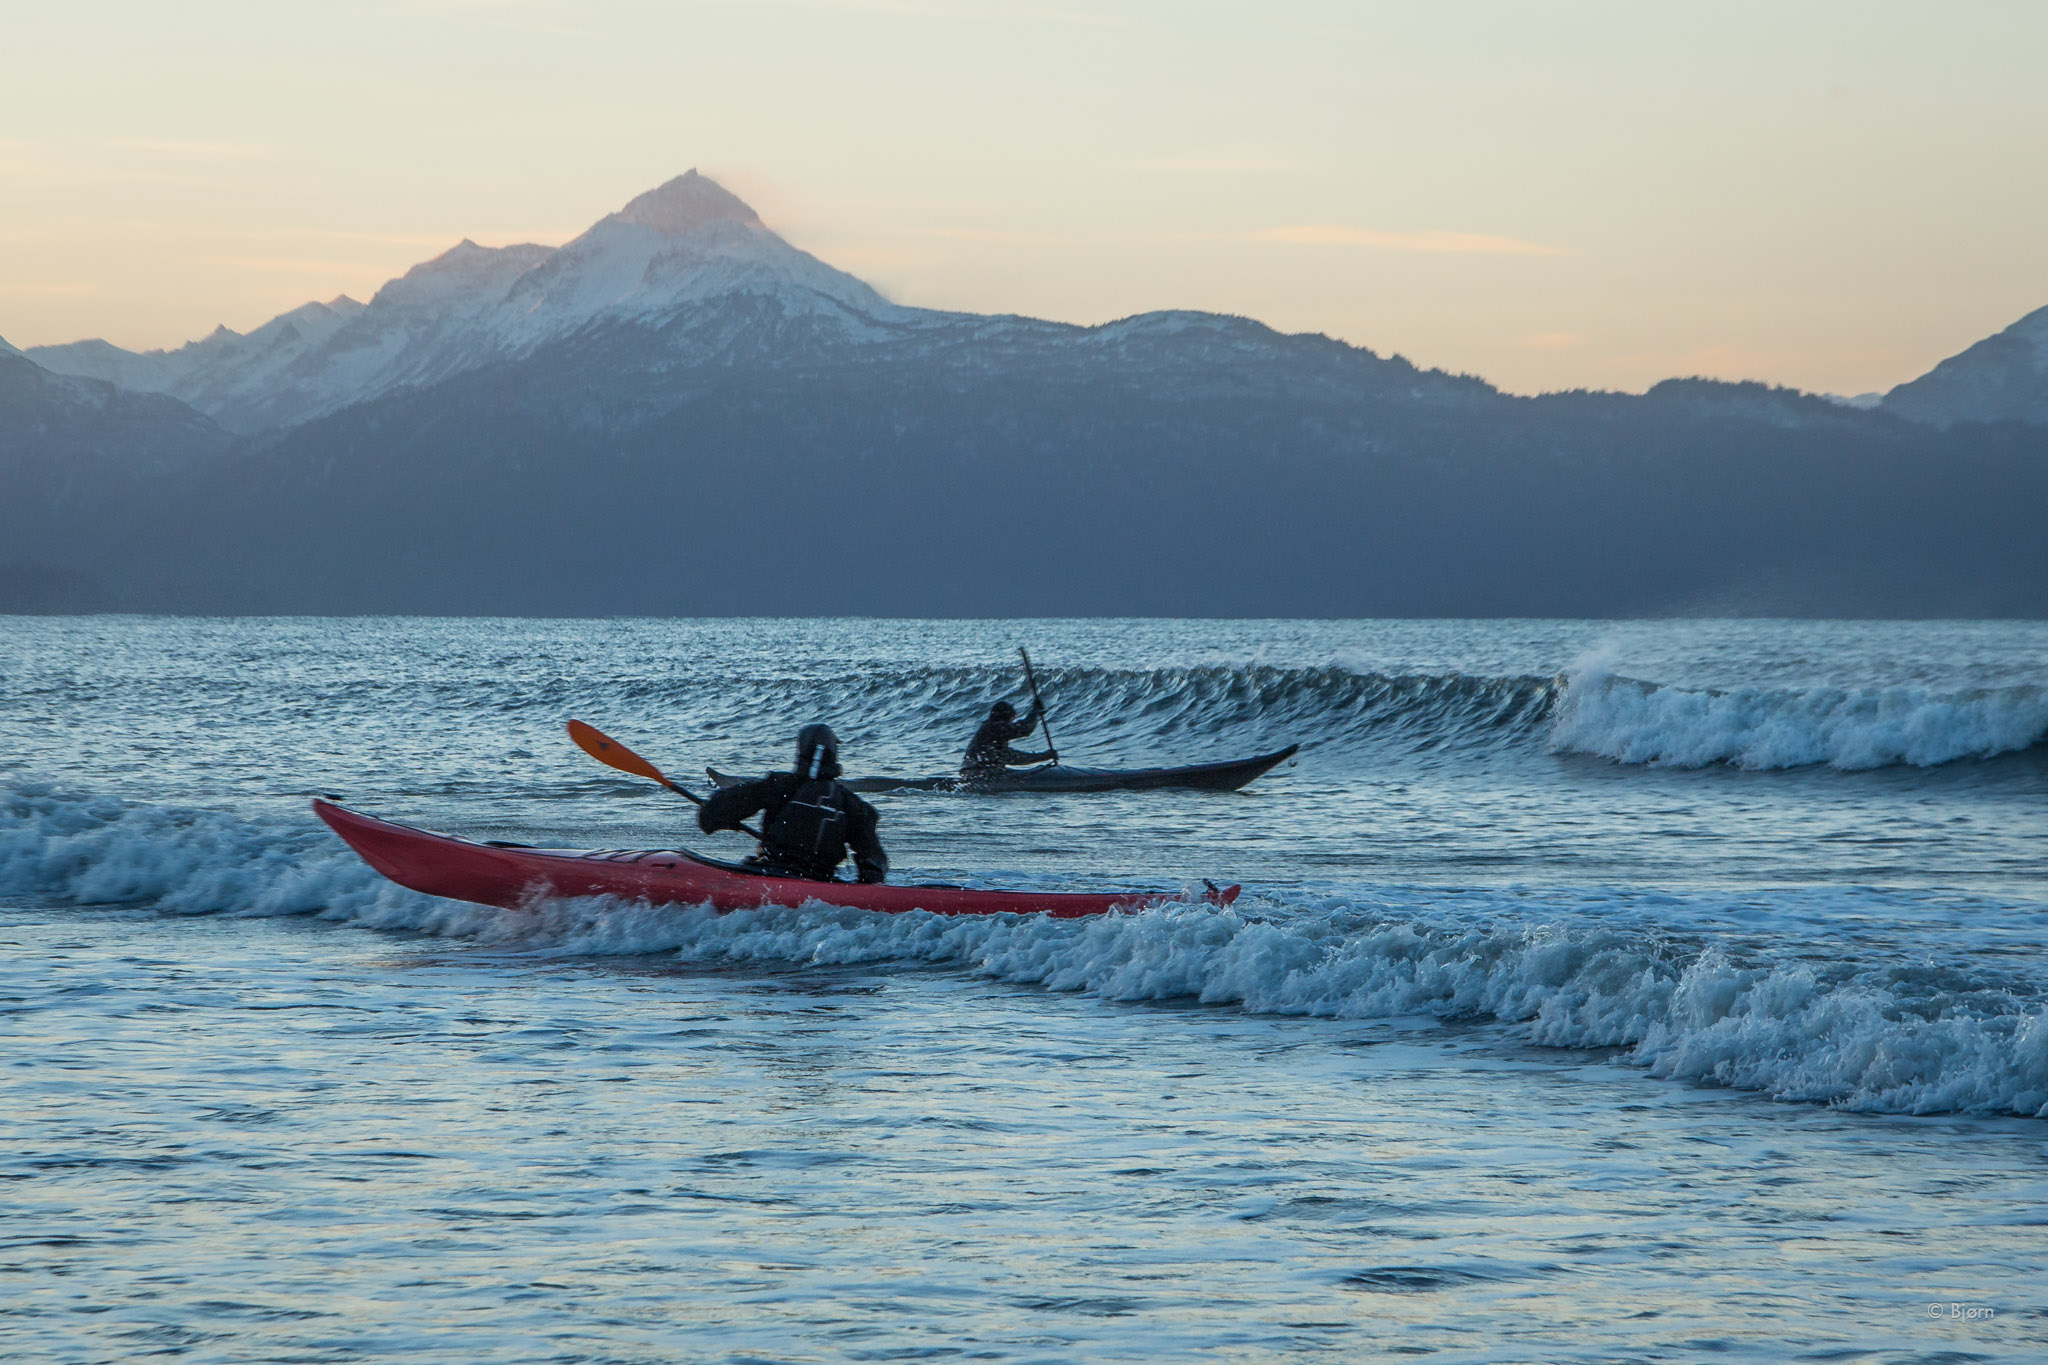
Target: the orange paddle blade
pixel 611 753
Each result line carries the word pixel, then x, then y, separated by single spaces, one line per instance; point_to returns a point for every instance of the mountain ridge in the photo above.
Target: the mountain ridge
pixel 683 245
pixel 678 412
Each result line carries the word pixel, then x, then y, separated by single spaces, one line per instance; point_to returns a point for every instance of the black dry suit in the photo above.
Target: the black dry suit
pixel 809 818
pixel 989 752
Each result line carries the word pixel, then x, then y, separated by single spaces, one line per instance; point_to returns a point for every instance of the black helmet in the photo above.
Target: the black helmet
pixel 1002 710
pixel 817 752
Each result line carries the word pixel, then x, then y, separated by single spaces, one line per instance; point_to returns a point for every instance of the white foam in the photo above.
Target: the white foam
pixel 1695 1016
pixel 1851 1037
pixel 1629 721
pixel 103 851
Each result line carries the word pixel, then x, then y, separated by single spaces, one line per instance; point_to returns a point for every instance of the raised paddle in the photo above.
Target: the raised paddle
pixel 613 754
pixel 1038 705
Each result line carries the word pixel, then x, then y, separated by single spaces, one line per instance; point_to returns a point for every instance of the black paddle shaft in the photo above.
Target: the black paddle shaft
pixel 1037 703
pixel 692 797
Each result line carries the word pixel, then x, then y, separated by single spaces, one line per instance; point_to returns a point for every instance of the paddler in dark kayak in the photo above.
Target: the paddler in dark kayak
pixel 809 817
pixel 989 753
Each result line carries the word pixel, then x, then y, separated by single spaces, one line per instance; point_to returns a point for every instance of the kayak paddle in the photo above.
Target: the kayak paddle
pixel 1038 705
pixel 613 754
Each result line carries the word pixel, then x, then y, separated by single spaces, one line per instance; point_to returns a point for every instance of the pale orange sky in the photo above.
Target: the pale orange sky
pixel 1551 195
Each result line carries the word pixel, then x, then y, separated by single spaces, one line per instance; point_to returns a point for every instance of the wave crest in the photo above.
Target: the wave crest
pixel 1631 721
pixel 1235 707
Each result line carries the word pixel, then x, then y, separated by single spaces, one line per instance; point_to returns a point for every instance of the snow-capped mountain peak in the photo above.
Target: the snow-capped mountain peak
pixel 668 250
pixel 685 204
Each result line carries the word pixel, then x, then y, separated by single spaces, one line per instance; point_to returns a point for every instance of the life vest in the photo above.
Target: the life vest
pixel 812 825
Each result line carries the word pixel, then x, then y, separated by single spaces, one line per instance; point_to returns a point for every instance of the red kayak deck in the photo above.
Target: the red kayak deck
pixel 488 874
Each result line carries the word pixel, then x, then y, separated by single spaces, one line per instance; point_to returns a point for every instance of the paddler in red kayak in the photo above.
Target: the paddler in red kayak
pixel 809 818
pixel 989 752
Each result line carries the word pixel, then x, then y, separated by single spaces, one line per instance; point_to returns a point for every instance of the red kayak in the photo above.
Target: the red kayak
pixel 512 875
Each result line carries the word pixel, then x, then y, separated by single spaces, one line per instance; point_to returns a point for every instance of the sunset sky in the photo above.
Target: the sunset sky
pixel 1551 195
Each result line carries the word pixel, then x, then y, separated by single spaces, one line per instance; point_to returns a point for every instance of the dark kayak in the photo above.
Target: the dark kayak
pixel 1057 777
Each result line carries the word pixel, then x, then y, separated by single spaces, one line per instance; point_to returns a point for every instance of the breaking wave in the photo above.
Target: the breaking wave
pixel 1887 1037
pixel 1630 721
pixel 100 850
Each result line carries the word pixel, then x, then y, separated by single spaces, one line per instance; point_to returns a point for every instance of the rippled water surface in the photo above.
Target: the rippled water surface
pixel 1600 992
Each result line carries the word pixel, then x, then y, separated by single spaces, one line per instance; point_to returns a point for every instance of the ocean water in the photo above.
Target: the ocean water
pixel 1600 991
